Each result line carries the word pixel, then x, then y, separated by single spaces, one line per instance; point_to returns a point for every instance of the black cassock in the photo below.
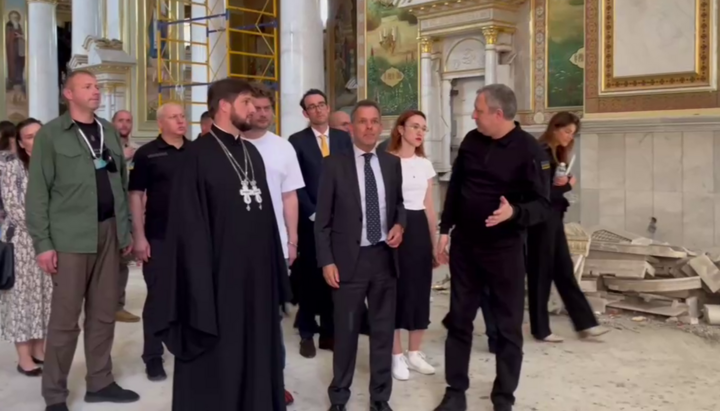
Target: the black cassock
pixel 223 286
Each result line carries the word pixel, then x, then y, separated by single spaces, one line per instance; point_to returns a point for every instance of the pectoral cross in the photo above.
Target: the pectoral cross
pixel 246 193
pixel 257 193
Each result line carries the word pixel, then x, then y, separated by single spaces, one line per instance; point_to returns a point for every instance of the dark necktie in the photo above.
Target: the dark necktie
pixel 372 204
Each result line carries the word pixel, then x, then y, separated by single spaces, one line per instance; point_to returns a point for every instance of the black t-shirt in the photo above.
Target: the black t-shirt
pixel 106 200
pixel 155 165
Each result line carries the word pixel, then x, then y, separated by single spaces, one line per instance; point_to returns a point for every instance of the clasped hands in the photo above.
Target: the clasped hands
pixel 330 271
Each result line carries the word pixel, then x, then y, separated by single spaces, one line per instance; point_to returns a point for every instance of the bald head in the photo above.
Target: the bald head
pixel 171 119
pixel 341 121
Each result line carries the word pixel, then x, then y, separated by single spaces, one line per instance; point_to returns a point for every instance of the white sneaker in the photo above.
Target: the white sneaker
pixel 400 369
pixel 417 362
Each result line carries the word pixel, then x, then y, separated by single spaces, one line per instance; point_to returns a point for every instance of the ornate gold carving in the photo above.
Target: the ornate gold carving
pixel 700 77
pixel 491 34
pixel 425 45
pixel 107 44
pixel 107 69
pixel 594 103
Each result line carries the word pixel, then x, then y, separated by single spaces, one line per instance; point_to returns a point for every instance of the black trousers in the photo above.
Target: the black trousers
pixel 152 346
pixel 375 280
pixel 500 268
pixel 307 324
pixel 490 324
pixel 549 260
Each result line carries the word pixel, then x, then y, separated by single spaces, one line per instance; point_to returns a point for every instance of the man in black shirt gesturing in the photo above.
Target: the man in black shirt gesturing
pixel 499 187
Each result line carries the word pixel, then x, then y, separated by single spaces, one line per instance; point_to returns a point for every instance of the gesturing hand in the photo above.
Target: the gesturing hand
pixel 503 213
pixel 395 236
pixel 141 249
pixel 332 277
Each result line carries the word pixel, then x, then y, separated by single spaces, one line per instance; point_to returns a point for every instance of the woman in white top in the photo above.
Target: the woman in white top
pixel 416 251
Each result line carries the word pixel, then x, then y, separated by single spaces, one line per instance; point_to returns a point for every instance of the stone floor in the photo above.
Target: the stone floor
pixel 638 367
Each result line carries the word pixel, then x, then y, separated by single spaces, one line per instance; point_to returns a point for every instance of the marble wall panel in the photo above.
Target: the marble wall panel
pixel 667 162
pixel 639 161
pixel 611 161
pixel 590 207
pixel 697 162
pixel 611 212
pixel 698 220
pixel 589 165
pixel 653 37
pixel 668 210
pixel 638 211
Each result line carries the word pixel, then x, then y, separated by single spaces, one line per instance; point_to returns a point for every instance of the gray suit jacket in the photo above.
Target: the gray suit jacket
pixel 338 218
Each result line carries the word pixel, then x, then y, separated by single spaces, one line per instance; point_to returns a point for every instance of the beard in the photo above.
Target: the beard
pixel 240 123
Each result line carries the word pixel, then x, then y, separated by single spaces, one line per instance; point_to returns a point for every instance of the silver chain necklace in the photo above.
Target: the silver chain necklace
pixel 248 185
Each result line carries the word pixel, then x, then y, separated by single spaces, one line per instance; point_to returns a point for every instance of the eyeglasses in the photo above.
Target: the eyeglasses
pixel 417 127
pixel 315 107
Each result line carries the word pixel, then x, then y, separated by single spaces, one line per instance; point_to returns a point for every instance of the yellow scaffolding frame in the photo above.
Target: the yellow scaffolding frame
pixel 172 42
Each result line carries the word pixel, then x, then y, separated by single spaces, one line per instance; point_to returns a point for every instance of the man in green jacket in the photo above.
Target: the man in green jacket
pixel 77 216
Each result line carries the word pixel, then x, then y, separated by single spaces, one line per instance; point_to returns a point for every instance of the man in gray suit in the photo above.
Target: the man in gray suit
pixel 359 223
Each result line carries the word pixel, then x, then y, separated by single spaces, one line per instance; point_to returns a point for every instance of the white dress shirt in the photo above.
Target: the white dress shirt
pixel 319 140
pixel 375 165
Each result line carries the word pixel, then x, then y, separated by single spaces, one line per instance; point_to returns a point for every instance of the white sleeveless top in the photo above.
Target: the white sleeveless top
pixel 416 171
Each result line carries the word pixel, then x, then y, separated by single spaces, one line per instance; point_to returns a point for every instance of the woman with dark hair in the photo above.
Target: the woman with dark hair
pixel 416 251
pixel 8 134
pixel 548 253
pixel 25 308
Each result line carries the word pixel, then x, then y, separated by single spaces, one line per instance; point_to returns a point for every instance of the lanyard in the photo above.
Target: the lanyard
pixel 102 139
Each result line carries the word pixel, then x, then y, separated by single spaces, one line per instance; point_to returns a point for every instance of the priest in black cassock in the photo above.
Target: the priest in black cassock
pixel 226 277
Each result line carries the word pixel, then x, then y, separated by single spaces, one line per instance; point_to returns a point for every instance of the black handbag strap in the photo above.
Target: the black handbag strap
pixel 10 233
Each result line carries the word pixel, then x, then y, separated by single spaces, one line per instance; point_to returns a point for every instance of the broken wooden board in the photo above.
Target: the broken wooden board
pixel 653 250
pixel 608 255
pixel 653 286
pixel 674 309
pixel 578 266
pixel 589 286
pixel 707 270
pixel 619 268
pixel 613 235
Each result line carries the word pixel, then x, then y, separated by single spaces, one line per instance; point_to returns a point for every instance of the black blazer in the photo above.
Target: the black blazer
pixel 311 160
pixel 338 222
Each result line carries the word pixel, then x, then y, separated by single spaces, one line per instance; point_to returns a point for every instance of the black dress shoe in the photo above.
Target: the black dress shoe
pixel 35 372
pixel 38 362
pixel 307 348
pixel 155 370
pixel 112 393
pixel 380 406
pixel 57 407
pixel 502 407
pixel 453 401
pixel 337 408
pixel 326 344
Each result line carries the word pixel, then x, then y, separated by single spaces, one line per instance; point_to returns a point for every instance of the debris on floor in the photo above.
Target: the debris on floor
pixel 623 271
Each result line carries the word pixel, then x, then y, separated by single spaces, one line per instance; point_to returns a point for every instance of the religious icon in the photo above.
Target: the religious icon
pixel 15 51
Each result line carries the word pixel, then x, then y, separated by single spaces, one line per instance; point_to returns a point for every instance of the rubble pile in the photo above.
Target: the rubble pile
pixel 625 271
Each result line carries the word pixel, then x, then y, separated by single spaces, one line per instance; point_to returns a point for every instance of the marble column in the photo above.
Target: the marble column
pixel 43 87
pixel 446 101
pixel 426 91
pixel 113 23
pixel 491 55
pixel 301 59
pixel 199 73
pixel 86 21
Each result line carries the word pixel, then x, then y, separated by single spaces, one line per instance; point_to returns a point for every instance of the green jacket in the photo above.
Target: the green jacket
pixel 61 200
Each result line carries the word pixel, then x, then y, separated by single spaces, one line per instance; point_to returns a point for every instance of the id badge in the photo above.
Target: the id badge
pixel 99 163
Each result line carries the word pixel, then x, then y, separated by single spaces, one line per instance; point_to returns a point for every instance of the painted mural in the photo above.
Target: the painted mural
pixel 392 57
pixel 15 19
pixel 565 53
pixel 342 55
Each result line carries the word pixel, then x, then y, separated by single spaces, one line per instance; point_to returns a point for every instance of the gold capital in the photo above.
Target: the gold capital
pixel 425 45
pixel 491 34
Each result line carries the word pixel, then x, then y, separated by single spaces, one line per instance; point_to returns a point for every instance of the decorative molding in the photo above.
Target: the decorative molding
pixel 596 103
pixel 651 125
pixel 77 60
pixel 442 7
pixel 43 1
pixel 108 68
pixel 699 78
pixel 491 35
pixel 425 45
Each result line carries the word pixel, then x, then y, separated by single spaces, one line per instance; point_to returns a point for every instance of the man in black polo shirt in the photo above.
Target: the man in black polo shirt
pixel 500 185
pixel 155 166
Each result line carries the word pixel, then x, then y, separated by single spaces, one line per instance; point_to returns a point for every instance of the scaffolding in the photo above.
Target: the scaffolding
pixel 200 41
